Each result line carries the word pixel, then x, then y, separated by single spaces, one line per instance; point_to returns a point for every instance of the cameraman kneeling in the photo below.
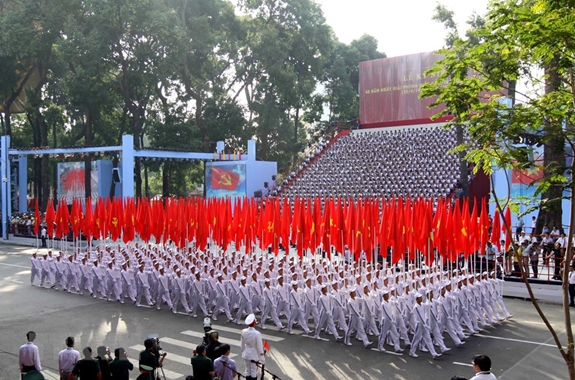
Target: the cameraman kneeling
pixel 202 365
pixel 150 359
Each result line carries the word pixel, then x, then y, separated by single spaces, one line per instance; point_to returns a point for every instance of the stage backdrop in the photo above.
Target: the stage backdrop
pixel 389 91
pixel 225 179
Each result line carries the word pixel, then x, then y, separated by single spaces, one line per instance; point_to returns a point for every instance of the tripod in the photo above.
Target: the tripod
pixel 264 370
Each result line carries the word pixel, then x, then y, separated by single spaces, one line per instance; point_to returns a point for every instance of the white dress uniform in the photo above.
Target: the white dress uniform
pixel 163 291
pixel 462 309
pixel 46 274
pixel 497 294
pixel 256 292
pixel 422 331
pixel 180 291
pixel 60 275
pixel 326 316
pixel 369 311
pixel 398 309
pixel 356 322
pixel 143 288
pixel 197 290
pixel 270 306
pixel 447 322
pixel 222 302
pixel 435 323
pixel 86 277
pixel 297 311
pixel 35 269
pixel 113 284
pixel 245 302
pixel 388 326
pixel 339 309
pixel 128 287
pixel 283 302
pixel 252 349
pixel 311 300
pixel 97 281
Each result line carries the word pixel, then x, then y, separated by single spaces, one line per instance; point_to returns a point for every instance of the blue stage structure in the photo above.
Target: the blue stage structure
pixel 255 173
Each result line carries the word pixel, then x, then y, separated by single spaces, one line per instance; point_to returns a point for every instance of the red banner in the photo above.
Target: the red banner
pixel 389 91
pixel 224 179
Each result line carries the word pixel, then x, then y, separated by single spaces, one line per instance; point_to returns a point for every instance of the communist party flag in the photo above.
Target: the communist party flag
pixel 483 226
pixel 424 217
pixel 50 217
pixel 336 226
pixel 286 223
pixel 59 218
pixel 202 232
pixel 144 220
pixel 224 179
pixel 129 218
pixel 295 221
pixel 317 221
pixel 116 219
pixel 381 232
pixel 308 225
pixel 325 228
pixel 495 230
pixel 399 239
pixel 87 225
pixel 507 219
pixel 75 217
pixel 474 228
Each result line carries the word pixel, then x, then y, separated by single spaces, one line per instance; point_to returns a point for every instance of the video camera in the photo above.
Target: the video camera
pixel 207 331
pixel 156 347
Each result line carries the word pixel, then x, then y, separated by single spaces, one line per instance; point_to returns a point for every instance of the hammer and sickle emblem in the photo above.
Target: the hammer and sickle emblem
pixel 115 221
pixel 225 179
pixel 270 226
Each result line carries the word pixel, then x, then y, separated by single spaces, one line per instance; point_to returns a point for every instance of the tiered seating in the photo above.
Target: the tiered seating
pixel 405 162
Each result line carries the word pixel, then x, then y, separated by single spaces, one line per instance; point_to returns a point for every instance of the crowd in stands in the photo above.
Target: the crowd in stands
pixel 411 161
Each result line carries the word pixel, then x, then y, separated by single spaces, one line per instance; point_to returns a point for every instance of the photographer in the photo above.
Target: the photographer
pixel 212 351
pixel 202 365
pixel 120 367
pixel 150 358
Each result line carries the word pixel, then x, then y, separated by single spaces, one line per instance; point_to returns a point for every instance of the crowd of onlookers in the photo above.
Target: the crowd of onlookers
pixel 71 365
pixel 400 162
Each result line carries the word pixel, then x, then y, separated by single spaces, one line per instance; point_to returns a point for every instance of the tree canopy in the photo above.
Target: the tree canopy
pixel 510 83
pixel 175 74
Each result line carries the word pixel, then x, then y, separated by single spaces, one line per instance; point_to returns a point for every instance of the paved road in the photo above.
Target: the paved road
pixel 520 348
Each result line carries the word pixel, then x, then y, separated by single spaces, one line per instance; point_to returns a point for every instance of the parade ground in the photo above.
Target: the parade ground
pixel 520 348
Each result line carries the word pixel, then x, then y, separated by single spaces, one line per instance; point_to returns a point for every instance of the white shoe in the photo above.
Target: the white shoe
pixel 413 355
pixel 436 356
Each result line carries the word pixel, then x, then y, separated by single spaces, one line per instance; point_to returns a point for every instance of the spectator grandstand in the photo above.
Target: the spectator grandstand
pixel 408 161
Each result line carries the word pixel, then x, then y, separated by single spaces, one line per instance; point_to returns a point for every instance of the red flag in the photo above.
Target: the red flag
pixel 507 219
pixel 224 179
pixel 115 219
pixel 50 217
pixel 483 226
pixel 75 217
pixel 495 230
pixel 129 218
pixel 266 345
pixel 88 220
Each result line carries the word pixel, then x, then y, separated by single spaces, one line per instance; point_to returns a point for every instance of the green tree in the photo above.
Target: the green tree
pixel 528 41
pixel 286 47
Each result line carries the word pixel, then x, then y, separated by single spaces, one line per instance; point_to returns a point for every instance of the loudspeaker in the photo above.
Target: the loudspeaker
pixel 116 175
pixel 274 177
pixel 266 185
pixel 258 194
